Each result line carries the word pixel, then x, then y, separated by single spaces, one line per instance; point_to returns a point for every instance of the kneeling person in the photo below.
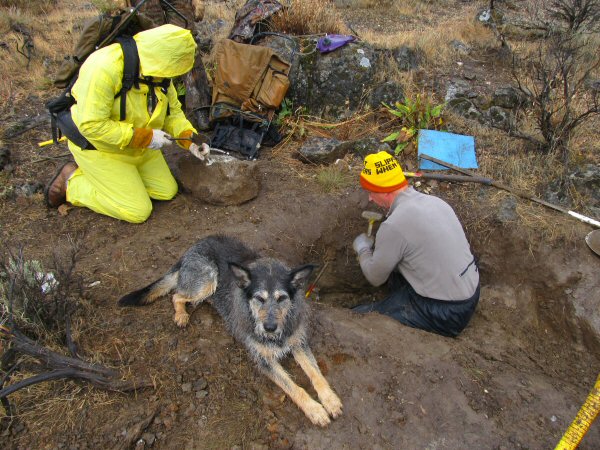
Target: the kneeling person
pixel 127 168
pixel 421 250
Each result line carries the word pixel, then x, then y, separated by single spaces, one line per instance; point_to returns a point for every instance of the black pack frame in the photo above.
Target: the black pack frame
pixel 244 132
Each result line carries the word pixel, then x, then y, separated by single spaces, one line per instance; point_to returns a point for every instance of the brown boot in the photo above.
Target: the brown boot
pixel 56 191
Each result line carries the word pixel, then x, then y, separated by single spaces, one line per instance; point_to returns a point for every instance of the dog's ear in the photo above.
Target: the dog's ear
pixel 241 274
pixel 299 275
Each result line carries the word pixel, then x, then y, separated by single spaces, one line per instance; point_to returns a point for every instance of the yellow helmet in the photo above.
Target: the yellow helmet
pixel 382 173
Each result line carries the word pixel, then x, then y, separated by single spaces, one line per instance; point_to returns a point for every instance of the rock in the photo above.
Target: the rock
pixel 457 89
pixel 186 387
pixel 201 394
pixel 363 147
pixel 460 47
pixel 484 16
pixel 388 92
pixel 149 438
pixel 460 98
pixel 206 32
pixel 200 384
pixel 460 105
pixel 507 211
pixel 329 85
pixel 29 189
pixel 499 118
pixel 227 181
pixel 586 180
pixel 508 97
pixel 406 58
pixel 318 150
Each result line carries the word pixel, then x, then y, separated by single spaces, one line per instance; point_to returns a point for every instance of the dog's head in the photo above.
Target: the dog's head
pixel 273 293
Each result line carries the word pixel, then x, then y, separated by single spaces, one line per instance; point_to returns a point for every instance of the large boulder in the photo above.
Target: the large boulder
pixel 329 85
pixel 224 180
pixel 389 92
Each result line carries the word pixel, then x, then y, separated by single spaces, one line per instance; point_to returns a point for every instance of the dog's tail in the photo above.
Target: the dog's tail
pixel 150 293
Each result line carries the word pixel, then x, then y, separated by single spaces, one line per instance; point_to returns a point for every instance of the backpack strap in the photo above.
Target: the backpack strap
pixel 131 70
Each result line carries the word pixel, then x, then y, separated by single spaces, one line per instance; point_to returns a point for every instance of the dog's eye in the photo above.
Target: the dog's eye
pixel 282 298
pixel 258 298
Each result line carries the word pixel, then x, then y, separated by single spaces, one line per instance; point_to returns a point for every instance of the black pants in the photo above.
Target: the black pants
pixel 447 318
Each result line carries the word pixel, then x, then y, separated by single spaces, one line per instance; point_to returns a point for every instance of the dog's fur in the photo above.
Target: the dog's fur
pixel 262 303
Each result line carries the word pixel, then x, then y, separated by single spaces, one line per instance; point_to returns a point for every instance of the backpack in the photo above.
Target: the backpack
pixel 249 85
pixel 96 33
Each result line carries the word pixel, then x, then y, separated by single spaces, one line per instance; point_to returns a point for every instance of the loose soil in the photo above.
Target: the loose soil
pixel 515 378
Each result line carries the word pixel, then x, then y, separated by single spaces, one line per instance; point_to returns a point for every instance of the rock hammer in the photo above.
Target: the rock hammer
pixel 371 216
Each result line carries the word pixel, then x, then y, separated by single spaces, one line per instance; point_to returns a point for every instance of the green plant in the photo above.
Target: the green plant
pixel 420 113
pixel 286 110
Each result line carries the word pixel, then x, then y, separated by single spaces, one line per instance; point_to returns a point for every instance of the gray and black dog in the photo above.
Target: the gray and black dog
pixel 263 305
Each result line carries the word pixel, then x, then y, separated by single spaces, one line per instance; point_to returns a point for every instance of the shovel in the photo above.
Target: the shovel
pixel 593 241
pixel 525 195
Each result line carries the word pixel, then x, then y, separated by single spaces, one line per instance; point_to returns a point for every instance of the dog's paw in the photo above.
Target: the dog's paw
pixel 332 404
pixel 181 319
pixel 317 414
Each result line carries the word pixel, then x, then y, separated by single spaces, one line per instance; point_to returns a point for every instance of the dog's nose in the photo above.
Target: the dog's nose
pixel 270 326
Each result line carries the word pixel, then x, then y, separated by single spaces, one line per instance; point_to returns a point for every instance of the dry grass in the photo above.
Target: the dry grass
pixel 332 178
pixel 52 37
pixel 430 30
pixel 507 160
pixel 434 42
pixel 304 17
pixel 70 398
pixel 33 6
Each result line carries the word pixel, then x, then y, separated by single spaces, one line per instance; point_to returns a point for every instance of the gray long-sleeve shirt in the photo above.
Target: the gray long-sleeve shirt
pixel 424 240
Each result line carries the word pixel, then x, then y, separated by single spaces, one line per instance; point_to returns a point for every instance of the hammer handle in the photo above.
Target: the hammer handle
pixel 370 229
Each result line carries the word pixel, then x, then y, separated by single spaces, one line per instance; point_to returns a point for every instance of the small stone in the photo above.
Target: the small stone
pixel 149 438
pixel 201 394
pixel 200 384
pixel 186 387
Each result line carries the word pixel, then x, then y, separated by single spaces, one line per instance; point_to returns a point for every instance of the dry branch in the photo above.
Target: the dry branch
pixel 60 366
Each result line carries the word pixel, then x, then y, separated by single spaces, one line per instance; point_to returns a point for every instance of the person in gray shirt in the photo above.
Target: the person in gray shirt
pixel 421 251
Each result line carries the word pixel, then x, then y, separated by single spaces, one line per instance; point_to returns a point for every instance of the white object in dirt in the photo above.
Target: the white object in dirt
pixel 48 281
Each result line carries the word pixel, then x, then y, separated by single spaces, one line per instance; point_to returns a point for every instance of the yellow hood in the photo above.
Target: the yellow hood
pixel 167 51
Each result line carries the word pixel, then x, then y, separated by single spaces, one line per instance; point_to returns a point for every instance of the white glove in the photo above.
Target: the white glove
pixel 200 154
pixel 363 243
pixel 159 139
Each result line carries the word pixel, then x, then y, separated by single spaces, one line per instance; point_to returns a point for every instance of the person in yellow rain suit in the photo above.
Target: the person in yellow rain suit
pixel 127 168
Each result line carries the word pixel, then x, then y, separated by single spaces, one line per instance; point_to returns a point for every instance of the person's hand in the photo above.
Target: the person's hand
pixel 159 139
pixel 363 243
pixel 200 153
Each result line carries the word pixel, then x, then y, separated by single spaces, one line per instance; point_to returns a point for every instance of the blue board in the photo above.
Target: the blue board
pixel 452 148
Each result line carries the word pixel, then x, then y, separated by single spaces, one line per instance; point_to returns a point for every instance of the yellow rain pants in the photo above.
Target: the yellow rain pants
pixel 114 179
pixel 118 185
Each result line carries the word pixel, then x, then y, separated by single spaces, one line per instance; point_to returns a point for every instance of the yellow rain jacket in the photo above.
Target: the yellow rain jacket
pixel 115 179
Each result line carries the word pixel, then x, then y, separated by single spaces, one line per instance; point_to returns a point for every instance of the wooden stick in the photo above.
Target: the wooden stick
pixel 516 192
pixel 441 177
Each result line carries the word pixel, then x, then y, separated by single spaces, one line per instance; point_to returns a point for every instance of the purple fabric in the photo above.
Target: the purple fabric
pixel 331 42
